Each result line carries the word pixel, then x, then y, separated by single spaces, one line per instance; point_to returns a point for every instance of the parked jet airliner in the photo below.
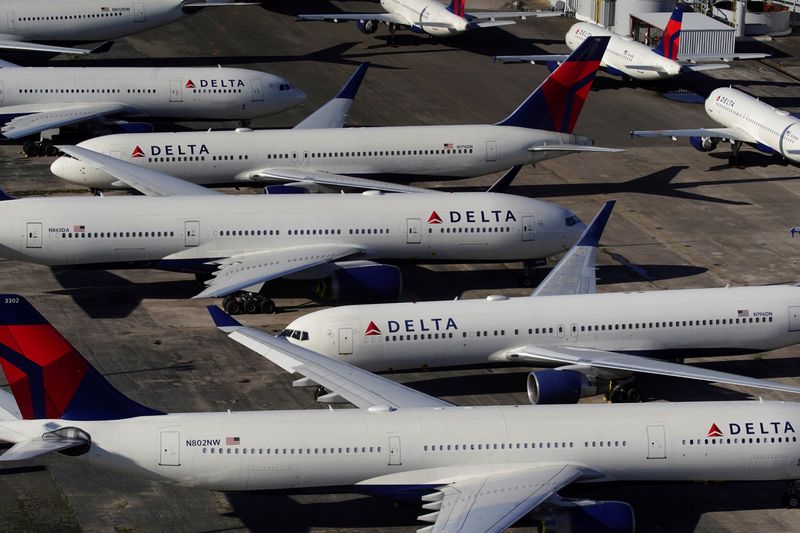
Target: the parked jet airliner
pixel 43 98
pixel 627 57
pixel 429 16
pixel 540 128
pixel 32 22
pixel 473 469
pixel 598 339
pixel 745 120
pixel 243 241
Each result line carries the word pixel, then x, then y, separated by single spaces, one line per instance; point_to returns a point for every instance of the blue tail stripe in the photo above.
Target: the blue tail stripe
pixel 35 378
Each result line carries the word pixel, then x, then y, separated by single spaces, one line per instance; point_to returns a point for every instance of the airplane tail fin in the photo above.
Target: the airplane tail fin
pixel 670 41
pixel 556 104
pixel 457 7
pixel 48 377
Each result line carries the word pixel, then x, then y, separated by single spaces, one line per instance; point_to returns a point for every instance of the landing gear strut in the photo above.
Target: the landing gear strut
pixel 392 31
pixel 528 271
pixel 247 302
pixel 791 496
pixel 735 160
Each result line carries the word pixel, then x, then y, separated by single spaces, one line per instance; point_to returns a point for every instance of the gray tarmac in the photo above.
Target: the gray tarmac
pixel 683 219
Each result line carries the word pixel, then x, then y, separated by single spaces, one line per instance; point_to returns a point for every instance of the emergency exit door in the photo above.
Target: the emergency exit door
pixel 11 18
pixel 170 448
pixel 175 91
pixel 528 228
pixel 491 150
pixel 345 341
pixel 413 230
pixel 258 93
pixel 794 318
pixel 33 237
pixel 138 12
pixel 394 450
pixel 656 443
pixel 192 233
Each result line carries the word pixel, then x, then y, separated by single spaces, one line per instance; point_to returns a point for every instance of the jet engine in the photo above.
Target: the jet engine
pixel 559 386
pixel 585 516
pixel 360 281
pixel 703 144
pixel 367 26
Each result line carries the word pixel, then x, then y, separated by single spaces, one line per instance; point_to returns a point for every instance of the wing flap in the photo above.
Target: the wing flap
pixel 247 270
pixel 54 118
pixel 336 17
pixel 359 387
pixel 733 134
pixel 634 363
pixel 541 58
pixel 335 180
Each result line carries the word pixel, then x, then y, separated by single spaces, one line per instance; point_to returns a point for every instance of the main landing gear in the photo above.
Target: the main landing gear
pixel 735 160
pixel 247 303
pixel 45 147
pixel 791 496
pixel 528 271
pixel 623 391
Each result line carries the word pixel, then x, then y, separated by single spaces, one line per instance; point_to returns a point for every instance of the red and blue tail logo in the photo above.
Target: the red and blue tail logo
pixel 556 104
pixel 48 377
pixel 457 7
pixel 670 41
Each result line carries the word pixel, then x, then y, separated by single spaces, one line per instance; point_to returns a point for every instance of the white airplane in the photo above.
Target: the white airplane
pixel 472 469
pixel 242 241
pixel 627 57
pixel 540 128
pixel 429 16
pixel 29 23
pixel 39 99
pixel 596 340
pixel 744 120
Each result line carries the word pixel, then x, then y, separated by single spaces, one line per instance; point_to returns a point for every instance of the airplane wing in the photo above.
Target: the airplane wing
pixel 590 357
pixel 575 272
pixel 733 134
pixel 363 389
pixel 333 113
pixel 542 58
pixel 339 17
pixel 249 270
pixel 54 116
pixel 470 502
pixel 148 182
pixel 335 180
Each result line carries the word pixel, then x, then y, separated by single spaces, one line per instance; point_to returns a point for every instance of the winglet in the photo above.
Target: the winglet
pixel 350 88
pixel 223 320
pixel 670 41
pixel 505 180
pixel 593 232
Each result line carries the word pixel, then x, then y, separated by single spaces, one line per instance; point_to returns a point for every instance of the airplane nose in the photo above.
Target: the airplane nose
pixel 298 96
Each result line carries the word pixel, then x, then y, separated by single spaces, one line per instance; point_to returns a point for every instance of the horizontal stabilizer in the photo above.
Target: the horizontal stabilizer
pixel 649 68
pixel 39 446
pixel 35 47
pixel 219 3
pixel 9 410
pixel 492 23
pixel 541 58
pixel 571 148
pixel 705 66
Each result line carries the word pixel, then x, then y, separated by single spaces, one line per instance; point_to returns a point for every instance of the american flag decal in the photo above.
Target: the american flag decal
pixel 448 146
pixel 78 229
pixel 743 313
pixel 232 441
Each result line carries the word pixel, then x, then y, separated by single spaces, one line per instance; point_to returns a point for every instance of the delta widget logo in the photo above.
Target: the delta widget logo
pixel 137 152
pixel 190 84
pixel 714 431
pixel 434 218
pixel 372 330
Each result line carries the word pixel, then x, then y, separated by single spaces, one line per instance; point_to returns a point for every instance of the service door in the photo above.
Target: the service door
pixel 138 12
pixel 175 91
pixel 794 318
pixel 192 233
pixel 258 93
pixel 2 90
pixel 656 443
pixel 305 161
pixel 345 341
pixel 491 150
pixel 413 231
pixel 170 448
pixel 34 235
pixel 11 19
pixel 529 228
pixel 394 450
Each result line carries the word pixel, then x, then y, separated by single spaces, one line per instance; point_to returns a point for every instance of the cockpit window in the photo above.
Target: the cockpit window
pixel 294 334
pixel 284 87
pixel 571 221
pixel 286 333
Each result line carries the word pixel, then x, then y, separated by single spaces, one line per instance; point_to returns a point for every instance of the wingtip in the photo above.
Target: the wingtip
pixel 594 231
pixel 222 319
pixel 350 88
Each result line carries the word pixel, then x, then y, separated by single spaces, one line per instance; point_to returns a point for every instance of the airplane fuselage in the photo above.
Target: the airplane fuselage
pixel 184 232
pixel 407 152
pixel 194 93
pixel 85 20
pixel 775 130
pixel 624 51
pixel 668 324
pixel 369 451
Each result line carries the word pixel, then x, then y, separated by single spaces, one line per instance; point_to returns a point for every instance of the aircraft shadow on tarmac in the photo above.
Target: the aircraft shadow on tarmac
pixel 659 183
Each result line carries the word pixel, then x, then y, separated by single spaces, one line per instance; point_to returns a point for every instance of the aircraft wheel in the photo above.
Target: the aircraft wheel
pixel 250 306
pixel 526 281
pixel 50 150
pixel 633 395
pixel 791 499
pixel 617 395
pixel 30 149
pixel 267 306
pixel 319 391
pixel 232 307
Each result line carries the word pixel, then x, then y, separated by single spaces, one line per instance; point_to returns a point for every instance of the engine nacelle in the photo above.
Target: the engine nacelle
pixel 367 26
pixel 703 144
pixel 559 386
pixel 591 517
pixel 284 189
pixel 362 281
pixel 763 148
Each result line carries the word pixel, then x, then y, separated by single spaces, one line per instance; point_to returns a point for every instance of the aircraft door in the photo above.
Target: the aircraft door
pixel 573 331
pixel 413 231
pixel 345 341
pixel 794 318
pixel 394 450
pixel 175 91
pixel 560 331
pixel 491 150
pixel 192 228
pixel 138 12
pixel 11 20
pixel 34 235
pixel 656 443
pixel 529 228
pixel 305 159
pixel 170 448
pixel 2 90
pixel 258 93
